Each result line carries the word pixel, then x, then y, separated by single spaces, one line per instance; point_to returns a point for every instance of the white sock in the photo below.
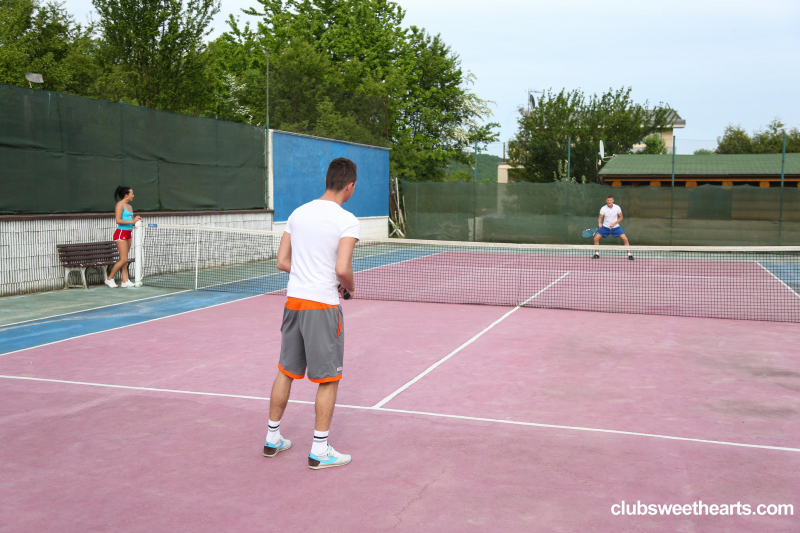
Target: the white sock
pixel 320 445
pixel 274 433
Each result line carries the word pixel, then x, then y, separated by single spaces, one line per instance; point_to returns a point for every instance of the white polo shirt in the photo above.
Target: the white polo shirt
pixel 315 230
pixel 610 214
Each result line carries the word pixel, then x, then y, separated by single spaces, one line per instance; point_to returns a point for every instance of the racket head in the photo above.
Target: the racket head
pixel 589 232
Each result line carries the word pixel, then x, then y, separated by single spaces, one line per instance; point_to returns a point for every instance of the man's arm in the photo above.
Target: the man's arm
pixel 344 263
pixel 285 253
pixel 600 221
pixel 619 219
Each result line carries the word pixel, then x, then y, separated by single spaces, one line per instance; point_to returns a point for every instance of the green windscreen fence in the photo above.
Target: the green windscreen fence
pixel 558 212
pixel 67 154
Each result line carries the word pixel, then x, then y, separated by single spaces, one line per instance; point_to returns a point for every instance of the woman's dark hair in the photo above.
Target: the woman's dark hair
pixel 121 192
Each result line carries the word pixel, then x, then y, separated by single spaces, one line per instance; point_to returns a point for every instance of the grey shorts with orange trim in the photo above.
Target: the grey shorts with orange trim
pixel 312 336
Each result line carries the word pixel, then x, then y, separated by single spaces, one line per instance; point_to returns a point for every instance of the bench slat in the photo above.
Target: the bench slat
pixel 105 244
pixel 104 253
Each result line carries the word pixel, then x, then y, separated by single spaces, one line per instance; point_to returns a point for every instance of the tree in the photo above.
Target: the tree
pixel 154 51
pixel 735 140
pixel 770 139
pixel 45 39
pixel 541 140
pixel 438 118
pixel 333 63
pixel 704 151
pixel 654 144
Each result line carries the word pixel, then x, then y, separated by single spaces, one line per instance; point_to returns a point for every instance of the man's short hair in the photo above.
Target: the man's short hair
pixel 341 172
pixel 610 196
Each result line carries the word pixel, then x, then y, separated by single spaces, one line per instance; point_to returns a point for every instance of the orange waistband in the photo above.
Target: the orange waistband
pixel 298 304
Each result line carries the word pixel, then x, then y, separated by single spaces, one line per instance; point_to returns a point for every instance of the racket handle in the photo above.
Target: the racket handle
pixel 346 295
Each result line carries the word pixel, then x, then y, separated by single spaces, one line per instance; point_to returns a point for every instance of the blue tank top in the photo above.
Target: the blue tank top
pixel 126 215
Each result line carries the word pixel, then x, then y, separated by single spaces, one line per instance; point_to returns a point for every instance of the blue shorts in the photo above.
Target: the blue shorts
pixel 616 231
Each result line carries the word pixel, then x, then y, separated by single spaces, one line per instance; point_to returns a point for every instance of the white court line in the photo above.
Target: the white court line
pixel 130 325
pixel 90 309
pixel 473 339
pixel 421 413
pixel 779 279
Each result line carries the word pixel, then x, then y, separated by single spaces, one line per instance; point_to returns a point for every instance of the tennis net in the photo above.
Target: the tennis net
pixel 748 283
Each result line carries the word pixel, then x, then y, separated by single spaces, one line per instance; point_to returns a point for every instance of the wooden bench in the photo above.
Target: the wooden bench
pixel 85 255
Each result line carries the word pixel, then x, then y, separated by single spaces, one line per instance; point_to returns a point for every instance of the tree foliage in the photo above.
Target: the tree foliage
pixel 154 51
pixel 735 140
pixel 541 140
pixel 332 64
pixel 45 39
pixel 654 145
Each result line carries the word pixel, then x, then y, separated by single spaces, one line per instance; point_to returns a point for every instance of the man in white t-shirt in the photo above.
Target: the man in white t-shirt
pixel 317 251
pixel 608 224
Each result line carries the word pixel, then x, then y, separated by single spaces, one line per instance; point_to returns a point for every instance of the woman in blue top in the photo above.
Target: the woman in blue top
pixel 123 213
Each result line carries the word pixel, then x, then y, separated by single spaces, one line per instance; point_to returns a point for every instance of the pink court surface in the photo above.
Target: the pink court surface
pixel 458 418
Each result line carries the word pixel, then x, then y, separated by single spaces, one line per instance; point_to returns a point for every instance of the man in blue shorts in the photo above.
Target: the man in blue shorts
pixel 317 251
pixel 608 224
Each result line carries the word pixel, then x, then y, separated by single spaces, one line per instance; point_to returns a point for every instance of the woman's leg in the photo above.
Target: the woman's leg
pixel 123 247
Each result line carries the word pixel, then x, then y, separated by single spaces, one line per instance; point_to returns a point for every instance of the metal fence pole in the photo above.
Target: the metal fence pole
pixel 475 197
pixel 266 141
pixel 783 168
pixel 569 155
pixel 672 193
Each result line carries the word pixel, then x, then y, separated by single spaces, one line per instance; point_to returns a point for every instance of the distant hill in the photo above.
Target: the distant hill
pixel 487 169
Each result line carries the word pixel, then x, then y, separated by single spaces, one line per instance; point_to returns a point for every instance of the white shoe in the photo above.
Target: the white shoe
pixel 127 284
pixel 110 283
pixel 271 450
pixel 331 458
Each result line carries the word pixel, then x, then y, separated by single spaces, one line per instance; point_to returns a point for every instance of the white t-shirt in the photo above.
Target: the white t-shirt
pixel 316 229
pixel 610 214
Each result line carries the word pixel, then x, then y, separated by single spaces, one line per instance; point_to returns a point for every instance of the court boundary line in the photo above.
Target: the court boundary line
pixel 92 308
pixel 132 325
pixel 768 271
pixel 422 413
pixel 470 341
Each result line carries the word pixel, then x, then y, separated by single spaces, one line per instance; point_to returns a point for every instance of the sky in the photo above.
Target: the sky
pixel 716 63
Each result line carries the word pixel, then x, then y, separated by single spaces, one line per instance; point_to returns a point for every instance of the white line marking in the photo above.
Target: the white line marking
pixel 595 430
pixel 422 413
pixel 779 279
pixel 473 339
pixel 90 309
pixel 130 325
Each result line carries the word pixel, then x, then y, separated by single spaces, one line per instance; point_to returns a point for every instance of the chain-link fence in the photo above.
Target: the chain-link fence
pixel 558 212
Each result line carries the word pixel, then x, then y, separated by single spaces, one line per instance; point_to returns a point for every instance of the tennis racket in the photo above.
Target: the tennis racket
pixel 588 233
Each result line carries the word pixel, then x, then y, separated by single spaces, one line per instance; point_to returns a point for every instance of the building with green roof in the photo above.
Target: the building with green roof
pixel 691 170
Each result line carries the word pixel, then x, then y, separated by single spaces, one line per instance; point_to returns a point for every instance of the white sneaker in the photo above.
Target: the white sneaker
pixel 331 458
pixel 127 284
pixel 110 283
pixel 271 450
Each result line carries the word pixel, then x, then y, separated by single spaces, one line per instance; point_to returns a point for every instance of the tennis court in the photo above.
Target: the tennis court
pixel 533 413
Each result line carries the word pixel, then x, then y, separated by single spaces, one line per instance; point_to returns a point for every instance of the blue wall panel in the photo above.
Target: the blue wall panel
pixel 299 165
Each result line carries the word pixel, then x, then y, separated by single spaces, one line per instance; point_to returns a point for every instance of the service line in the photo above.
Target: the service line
pixel 420 413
